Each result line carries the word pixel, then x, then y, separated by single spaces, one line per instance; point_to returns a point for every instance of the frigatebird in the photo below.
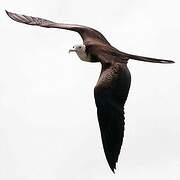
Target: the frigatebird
pixel 113 85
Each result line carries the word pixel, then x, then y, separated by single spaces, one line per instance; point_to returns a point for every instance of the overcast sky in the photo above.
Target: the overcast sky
pixel 48 124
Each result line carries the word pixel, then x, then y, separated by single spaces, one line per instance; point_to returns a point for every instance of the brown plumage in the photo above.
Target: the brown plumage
pixel 112 88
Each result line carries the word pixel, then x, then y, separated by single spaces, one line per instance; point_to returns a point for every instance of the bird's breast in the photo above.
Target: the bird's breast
pixel 83 56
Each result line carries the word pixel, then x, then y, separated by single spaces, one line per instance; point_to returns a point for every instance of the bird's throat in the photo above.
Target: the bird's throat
pixel 83 56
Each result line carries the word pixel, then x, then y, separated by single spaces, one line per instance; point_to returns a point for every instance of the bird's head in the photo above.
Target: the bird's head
pixel 78 48
pixel 80 51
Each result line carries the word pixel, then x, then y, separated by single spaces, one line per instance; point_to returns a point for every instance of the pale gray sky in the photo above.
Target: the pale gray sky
pixel 46 93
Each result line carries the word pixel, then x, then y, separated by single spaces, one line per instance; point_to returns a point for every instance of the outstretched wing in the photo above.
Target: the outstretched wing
pixel 148 59
pixel 88 34
pixel 110 94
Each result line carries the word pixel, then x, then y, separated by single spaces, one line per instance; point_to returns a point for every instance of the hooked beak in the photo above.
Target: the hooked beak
pixel 72 50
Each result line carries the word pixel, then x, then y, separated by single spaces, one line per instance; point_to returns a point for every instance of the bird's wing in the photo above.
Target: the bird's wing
pixel 110 94
pixel 88 34
pixel 148 59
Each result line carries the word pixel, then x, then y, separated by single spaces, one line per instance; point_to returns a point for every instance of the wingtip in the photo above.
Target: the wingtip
pixel 6 12
pixel 168 62
pixel 112 167
pixel 113 171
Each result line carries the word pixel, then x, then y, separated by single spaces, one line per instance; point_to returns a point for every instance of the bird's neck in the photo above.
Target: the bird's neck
pixel 83 56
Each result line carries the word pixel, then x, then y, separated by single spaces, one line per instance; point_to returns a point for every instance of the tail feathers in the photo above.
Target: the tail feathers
pixel 147 59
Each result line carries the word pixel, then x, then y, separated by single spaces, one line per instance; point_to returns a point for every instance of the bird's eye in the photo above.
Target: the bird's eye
pixel 79 47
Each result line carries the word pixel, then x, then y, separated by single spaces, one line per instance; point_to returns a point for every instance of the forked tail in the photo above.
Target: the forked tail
pixel 148 59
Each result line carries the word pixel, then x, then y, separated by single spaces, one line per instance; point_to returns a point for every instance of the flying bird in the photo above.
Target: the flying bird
pixel 113 85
